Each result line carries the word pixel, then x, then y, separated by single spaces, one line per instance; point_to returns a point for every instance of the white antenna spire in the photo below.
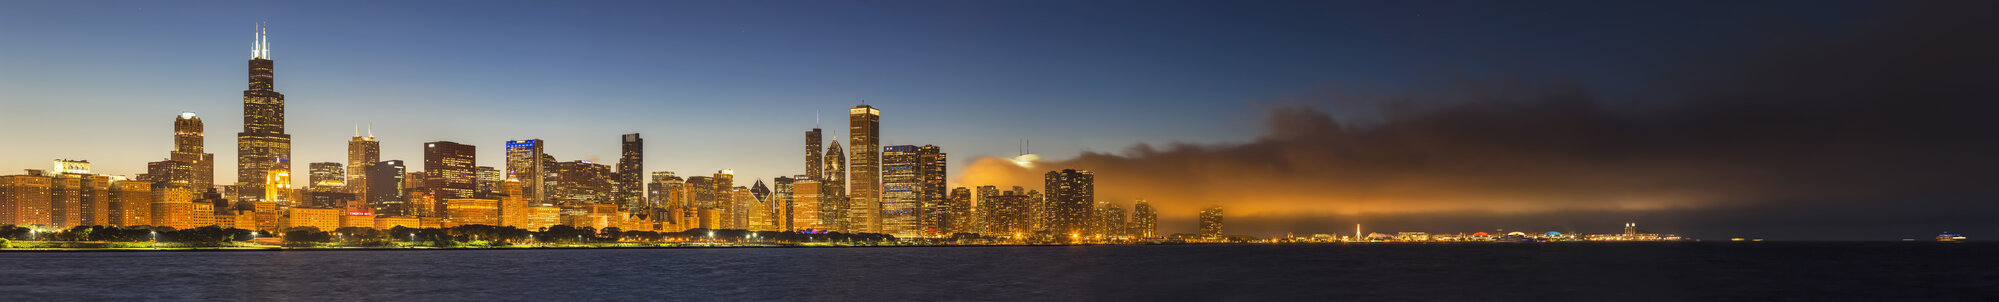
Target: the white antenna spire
pixel 357 130
pixel 371 129
pixel 815 119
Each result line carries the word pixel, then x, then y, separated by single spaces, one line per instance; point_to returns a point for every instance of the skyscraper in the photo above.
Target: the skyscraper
pixel 814 159
pixel 913 192
pixel 1211 222
pixel 326 177
pixel 1144 220
pixel 361 152
pixel 834 206
pixel 526 162
pixel 385 188
pixel 631 173
pixel 783 199
pixel 958 216
pixel 1071 197
pixel 580 183
pixel 263 147
pixel 805 205
pixel 864 166
pixel 188 144
pixel 449 170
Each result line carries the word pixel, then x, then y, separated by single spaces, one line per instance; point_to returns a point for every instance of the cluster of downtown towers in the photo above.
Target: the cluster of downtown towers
pixel 895 190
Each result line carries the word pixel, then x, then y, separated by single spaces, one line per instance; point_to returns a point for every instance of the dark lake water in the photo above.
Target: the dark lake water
pixel 1369 272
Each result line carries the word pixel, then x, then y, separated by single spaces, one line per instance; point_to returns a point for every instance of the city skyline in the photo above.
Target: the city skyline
pixel 1645 134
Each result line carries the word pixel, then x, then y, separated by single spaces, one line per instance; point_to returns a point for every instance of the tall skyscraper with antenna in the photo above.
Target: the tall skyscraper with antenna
pixel 263 150
pixel 361 152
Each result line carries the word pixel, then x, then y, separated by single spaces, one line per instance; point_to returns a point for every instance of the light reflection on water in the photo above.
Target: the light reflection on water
pixel 1474 272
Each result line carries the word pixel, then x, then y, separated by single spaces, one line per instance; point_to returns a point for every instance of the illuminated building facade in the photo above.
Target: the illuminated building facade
pixel 1005 212
pixel 278 185
pixel 805 203
pixel 1071 198
pixel 514 205
pixel 668 197
pixel 1211 222
pixel 834 207
pixel 189 142
pixel 26 200
pixel 814 156
pixel 631 173
pixel 326 177
pixel 323 219
pixel 526 162
pixel 362 151
pixel 543 216
pixel 471 211
pixel 783 201
pixel 958 216
pixel 262 147
pixel 1144 220
pixel 911 202
pixel 580 182
pixel 864 135
pixel 131 203
pixel 449 169
pixel 486 182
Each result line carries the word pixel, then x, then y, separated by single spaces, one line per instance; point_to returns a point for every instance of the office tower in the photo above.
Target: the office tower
pixel 912 196
pixel 188 149
pixel 580 183
pixel 385 188
pixel 1071 196
pixel 669 197
pixel 782 203
pixel 26 200
pixel 760 210
pixel 958 216
pixel 724 183
pixel 764 213
pixel 262 147
pixel 326 177
pixel 486 183
pixel 131 203
pixel 1211 222
pixel 700 192
pixel 834 207
pixel 864 134
pixel 814 156
pixel 450 169
pixel 740 208
pixel 984 196
pixel 1630 229
pixel 805 205
pixel 526 162
pixel 361 152
pixel 1144 220
pixel 631 173
pixel 513 205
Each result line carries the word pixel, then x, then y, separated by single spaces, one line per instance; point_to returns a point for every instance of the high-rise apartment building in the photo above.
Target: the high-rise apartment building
pixel 361 152
pixel 805 198
pixel 1071 197
pixel 1211 222
pixel 263 147
pixel 1144 220
pixel 631 174
pixel 450 170
pixel 1005 212
pixel 864 135
pixel 958 214
pixel 131 203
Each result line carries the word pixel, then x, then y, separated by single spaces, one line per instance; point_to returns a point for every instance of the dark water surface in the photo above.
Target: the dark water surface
pixel 1369 272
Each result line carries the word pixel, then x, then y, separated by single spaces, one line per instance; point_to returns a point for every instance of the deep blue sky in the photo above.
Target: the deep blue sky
pixel 732 85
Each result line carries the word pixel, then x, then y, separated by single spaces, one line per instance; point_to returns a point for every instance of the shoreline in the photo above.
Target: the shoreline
pixel 321 249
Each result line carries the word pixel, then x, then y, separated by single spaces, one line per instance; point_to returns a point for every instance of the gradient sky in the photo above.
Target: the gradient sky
pixel 732 85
